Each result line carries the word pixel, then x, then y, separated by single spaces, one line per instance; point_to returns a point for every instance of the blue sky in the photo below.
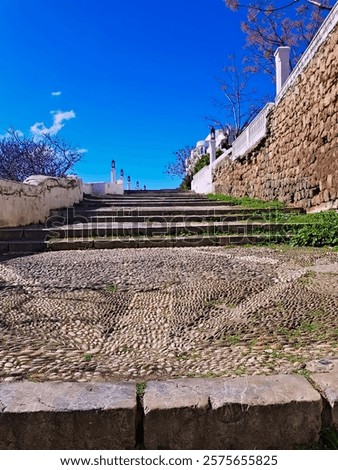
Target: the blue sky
pixel 136 77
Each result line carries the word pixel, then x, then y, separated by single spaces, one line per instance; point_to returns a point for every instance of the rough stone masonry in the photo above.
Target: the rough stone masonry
pixel 297 161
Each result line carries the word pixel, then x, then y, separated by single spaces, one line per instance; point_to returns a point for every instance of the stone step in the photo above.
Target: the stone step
pixel 150 202
pixel 31 246
pixel 127 229
pixel 139 193
pixel 22 246
pixel 209 211
pixel 151 229
pixel 145 195
pixel 153 242
pixel 156 218
pixel 114 203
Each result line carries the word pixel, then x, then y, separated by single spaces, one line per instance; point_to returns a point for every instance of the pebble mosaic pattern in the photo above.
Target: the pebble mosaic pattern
pixel 173 312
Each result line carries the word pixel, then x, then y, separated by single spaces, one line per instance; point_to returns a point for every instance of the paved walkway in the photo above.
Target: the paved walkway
pixel 166 312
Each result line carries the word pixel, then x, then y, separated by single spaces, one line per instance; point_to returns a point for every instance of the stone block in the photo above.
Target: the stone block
pixel 22 246
pixel 70 244
pixel 327 384
pixel 106 243
pixel 158 242
pixel 67 416
pixel 277 412
pixel 3 247
pixel 11 234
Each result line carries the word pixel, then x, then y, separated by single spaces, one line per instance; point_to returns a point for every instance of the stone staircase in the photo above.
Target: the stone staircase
pixel 165 218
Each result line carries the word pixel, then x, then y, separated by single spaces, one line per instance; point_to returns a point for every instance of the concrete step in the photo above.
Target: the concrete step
pixel 123 229
pixel 153 242
pixel 145 195
pixel 190 203
pixel 22 246
pixel 151 203
pixel 139 193
pixel 172 214
pixel 157 218
pixel 144 218
pixel 41 234
pixel 205 211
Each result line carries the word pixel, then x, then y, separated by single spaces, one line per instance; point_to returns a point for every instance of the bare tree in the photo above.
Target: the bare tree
pixel 270 25
pixel 178 167
pixel 21 156
pixel 241 102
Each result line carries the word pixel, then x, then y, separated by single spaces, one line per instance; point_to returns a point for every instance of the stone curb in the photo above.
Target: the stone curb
pixel 64 415
pixel 256 412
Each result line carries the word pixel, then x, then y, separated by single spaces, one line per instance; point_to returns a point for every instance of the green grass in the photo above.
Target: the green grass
pixel 328 440
pixel 231 340
pixel 319 229
pixel 316 229
pixel 323 230
pixel 241 370
pixel 210 375
pixel 306 278
pixel 112 288
pixel 141 388
pixel 245 201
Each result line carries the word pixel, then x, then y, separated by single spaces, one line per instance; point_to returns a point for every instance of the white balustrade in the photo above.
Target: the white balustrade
pixel 252 134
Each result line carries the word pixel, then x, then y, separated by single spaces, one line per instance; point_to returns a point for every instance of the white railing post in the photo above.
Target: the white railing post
pixel 282 59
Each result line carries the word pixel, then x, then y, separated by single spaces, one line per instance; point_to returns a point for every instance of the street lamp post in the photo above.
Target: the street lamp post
pixel 212 151
pixel 113 171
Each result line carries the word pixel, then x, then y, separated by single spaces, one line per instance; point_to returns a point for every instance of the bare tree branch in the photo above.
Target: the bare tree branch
pixel 21 157
pixel 178 168
pixel 269 26
pixel 241 103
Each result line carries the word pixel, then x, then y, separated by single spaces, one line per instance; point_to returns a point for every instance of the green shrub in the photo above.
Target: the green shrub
pixel 201 163
pixel 321 231
pixel 186 183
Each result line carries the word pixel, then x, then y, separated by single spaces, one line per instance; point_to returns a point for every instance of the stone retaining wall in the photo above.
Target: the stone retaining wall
pixel 297 162
pixel 31 202
pixel 274 412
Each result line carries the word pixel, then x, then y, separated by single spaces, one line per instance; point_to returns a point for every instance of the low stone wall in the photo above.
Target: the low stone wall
pixel 30 202
pixel 297 162
pixel 258 412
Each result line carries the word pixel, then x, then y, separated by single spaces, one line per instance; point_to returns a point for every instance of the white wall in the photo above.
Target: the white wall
pixel 100 189
pixel 30 202
pixel 201 182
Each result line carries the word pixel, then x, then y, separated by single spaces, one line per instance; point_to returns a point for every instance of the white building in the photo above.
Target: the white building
pixel 223 138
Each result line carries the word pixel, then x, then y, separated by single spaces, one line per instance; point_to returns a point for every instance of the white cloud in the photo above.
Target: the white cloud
pixel 56 93
pixel 59 117
pixel 82 150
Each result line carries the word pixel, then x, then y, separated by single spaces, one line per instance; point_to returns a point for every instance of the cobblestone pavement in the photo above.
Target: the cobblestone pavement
pixel 139 314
